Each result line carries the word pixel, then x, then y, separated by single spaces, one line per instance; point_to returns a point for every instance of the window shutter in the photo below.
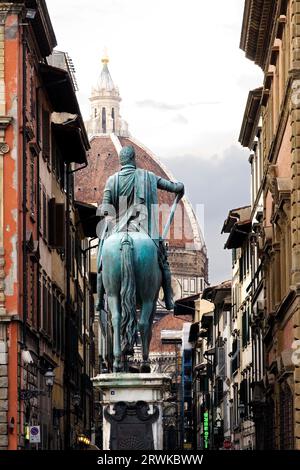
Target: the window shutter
pixel 56 224
pixel 221 361
pixel 60 226
pixel 46 134
pixel 243 391
pixel 51 222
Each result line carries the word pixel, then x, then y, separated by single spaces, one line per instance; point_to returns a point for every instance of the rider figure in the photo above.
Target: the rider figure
pixel 130 196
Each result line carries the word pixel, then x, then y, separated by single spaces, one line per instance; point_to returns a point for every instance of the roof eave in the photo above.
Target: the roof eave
pixel 250 118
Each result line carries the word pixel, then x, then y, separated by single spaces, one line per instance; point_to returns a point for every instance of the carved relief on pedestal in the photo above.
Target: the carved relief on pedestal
pixel 131 426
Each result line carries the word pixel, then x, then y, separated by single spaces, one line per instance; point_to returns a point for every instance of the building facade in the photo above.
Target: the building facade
pixel 46 303
pixel 272 42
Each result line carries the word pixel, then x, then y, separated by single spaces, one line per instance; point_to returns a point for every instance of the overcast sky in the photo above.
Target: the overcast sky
pixel 184 84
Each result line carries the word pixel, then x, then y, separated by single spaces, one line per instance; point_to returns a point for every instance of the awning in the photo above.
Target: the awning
pixel 61 93
pixel 60 89
pixel 87 218
pixel 70 139
pixel 186 305
pixel 238 235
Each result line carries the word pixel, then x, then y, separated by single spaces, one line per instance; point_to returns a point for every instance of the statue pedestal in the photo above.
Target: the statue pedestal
pixel 132 410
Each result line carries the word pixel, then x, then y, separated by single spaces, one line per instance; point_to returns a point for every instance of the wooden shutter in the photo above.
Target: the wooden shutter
pixel 60 225
pixel 51 222
pixel 46 134
pixel 56 224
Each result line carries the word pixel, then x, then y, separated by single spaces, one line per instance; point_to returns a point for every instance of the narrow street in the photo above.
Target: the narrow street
pixel 149 234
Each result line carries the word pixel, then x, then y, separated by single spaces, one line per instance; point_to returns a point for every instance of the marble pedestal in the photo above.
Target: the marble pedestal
pixel 126 394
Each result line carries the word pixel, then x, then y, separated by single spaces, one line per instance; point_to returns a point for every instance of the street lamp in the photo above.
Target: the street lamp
pixel 49 380
pixel 26 394
pixel 76 399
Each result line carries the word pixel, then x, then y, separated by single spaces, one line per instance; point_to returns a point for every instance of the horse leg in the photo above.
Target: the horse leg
pixel 145 332
pixel 115 309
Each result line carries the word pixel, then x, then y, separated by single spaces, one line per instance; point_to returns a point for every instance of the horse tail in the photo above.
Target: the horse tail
pixel 128 296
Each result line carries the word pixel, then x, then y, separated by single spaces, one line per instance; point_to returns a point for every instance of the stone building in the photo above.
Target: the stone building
pixel 212 341
pixel 238 226
pixel 270 38
pixel 46 309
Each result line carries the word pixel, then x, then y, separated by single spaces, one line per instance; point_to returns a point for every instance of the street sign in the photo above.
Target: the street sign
pixel 34 434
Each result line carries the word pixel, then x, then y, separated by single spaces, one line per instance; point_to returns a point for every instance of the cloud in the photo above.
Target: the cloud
pixel 180 119
pixel 159 105
pixel 220 183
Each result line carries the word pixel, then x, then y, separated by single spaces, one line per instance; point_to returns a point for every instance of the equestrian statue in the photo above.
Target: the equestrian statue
pixel 132 263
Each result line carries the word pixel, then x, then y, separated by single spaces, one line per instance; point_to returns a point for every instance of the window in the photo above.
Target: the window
pixel 104 120
pixel 32 186
pixel 46 134
pixel 32 96
pixel 38 117
pixel 58 324
pixel 245 327
pixel 235 357
pixel 185 285
pixel 40 205
pixel 45 306
pixel 79 313
pixel 78 254
pixel 56 224
pixel 233 256
pixel 192 285
pixel 62 323
pixel 235 406
pixel 44 214
pixel 58 164
pixel 32 290
pixel 113 119
pixel 49 312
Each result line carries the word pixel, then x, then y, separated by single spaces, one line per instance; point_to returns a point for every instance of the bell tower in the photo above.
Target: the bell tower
pixel 105 106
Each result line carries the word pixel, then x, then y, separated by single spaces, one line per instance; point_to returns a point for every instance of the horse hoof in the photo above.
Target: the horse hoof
pixel 145 368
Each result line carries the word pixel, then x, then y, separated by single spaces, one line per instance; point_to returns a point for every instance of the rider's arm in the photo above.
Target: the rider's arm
pixel 106 208
pixel 169 186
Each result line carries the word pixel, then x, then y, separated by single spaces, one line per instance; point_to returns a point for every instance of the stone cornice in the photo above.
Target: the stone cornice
pixel 4 122
pixel 258 29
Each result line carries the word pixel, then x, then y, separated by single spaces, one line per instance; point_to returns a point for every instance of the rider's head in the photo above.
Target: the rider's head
pixel 127 156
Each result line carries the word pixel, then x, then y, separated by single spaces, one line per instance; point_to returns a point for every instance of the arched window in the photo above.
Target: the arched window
pixel 113 119
pixel 104 120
